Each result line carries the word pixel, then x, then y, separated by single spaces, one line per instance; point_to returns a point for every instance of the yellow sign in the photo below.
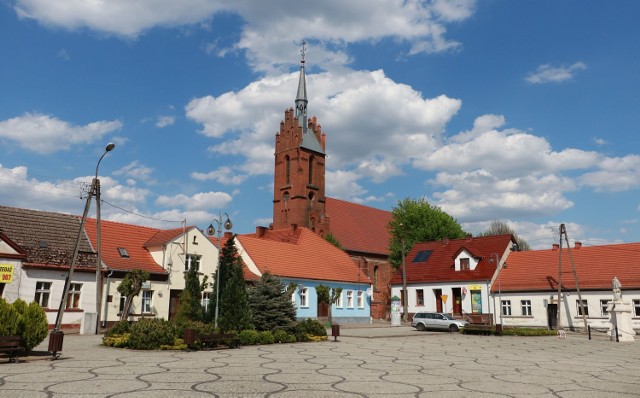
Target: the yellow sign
pixel 6 273
pixel 475 287
pixel 444 297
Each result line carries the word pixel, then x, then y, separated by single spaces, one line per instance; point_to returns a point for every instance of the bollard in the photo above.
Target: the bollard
pixel 589 329
pixel 617 337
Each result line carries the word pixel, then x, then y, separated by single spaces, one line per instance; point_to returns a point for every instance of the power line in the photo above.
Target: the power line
pixel 141 215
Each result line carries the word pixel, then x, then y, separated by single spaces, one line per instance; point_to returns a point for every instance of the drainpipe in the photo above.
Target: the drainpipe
pixel 106 300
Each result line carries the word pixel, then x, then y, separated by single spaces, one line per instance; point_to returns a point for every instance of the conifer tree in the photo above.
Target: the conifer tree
pixel 271 305
pixel 190 306
pixel 234 312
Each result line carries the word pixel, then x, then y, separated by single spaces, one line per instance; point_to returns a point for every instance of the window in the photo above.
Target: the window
pixel 304 297
pixel 206 299
pixel 636 307
pixel 360 299
pixel 338 302
pixel 287 169
pixel 603 307
pixel 464 264
pixel 422 256
pixel 123 252
pixel 525 305
pixel 349 298
pixel 376 270
pixel 311 161
pixel 420 297
pixel 506 307
pixel 73 296
pixel 146 301
pixel 42 293
pixel 123 300
pixel 582 307
pixel 192 261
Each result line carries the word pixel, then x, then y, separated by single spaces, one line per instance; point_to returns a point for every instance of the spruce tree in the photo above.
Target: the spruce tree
pixel 190 306
pixel 234 311
pixel 271 305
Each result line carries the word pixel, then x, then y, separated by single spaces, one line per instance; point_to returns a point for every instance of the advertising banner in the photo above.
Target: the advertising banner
pixel 6 273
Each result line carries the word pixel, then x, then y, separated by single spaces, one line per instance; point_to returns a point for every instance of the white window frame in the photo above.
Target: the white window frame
pixel 604 304
pixel 43 293
pixel 525 307
pixel 206 300
pixel 73 295
pixel 349 298
pixel 585 305
pixel 506 307
pixel 123 300
pixel 636 308
pixel 192 259
pixel 304 297
pixel 338 301
pixel 360 299
pixel 147 301
pixel 418 304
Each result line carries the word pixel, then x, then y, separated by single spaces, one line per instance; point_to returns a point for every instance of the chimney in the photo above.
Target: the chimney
pixel 577 245
pixel 556 247
pixel 469 237
pixel 260 231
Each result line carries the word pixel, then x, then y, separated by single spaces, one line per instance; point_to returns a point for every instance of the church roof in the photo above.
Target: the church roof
pixel 359 228
pixel 537 270
pixel 300 254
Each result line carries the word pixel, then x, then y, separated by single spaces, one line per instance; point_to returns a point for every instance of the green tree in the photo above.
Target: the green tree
pixel 34 325
pixel 415 220
pixel 190 306
pixel 271 305
pixel 333 240
pixel 9 319
pixel 498 227
pixel 130 287
pixel 328 296
pixel 234 310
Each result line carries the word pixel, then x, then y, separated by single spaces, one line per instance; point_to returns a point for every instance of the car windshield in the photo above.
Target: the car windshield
pixel 446 316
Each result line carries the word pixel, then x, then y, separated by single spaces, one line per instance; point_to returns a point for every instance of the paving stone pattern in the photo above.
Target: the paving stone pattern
pixel 363 363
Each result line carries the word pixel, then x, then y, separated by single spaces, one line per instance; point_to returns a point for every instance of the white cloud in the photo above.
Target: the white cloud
pixel 199 201
pixel 64 55
pixel 137 171
pixel 223 175
pixel 47 134
pixel 164 121
pixel 614 174
pixel 269 33
pixel 554 74
pixel 344 185
pixel 599 141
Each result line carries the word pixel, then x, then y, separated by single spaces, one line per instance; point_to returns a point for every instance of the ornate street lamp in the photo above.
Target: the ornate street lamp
pixel 210 231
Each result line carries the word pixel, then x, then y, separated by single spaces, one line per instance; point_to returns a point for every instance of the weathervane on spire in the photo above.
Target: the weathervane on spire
pixel 303 50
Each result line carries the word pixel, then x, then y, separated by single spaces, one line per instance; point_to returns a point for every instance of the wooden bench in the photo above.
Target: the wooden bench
pixel 12 346
pixel 231 340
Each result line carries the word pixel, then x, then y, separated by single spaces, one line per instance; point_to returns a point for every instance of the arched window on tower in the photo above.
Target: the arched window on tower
pixel 287 169
pixel 376 270
pixel 285 199
pixel 312 160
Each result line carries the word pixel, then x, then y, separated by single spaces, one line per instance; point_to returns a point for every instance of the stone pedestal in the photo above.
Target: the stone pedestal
pixel 620 316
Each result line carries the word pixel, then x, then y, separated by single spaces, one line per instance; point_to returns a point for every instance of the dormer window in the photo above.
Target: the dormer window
pixel 123 252
pixel 464 264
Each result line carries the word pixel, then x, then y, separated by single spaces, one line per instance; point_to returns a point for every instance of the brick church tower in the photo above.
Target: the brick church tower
pixel 298 189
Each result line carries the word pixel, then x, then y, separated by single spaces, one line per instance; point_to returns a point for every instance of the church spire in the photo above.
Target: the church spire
pixel 301 98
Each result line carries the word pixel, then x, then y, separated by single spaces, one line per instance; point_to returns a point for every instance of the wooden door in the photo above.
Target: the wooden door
pixel 174 303
pixel 552 316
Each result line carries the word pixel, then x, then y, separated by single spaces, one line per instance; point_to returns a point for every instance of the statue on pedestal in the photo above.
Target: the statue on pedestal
pixel 616 286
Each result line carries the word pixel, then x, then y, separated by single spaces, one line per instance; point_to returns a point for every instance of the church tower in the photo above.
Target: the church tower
pixel 298 189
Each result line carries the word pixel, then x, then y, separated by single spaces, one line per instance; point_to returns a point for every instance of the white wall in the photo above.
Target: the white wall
pixel 430 299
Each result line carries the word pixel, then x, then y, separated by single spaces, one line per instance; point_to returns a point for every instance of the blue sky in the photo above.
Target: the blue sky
pixel 524 112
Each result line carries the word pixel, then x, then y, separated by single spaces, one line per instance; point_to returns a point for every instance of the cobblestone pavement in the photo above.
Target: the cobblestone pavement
pixel 374 362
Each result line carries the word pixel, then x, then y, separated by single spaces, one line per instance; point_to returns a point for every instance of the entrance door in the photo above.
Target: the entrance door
pixel 323 309
pixel 174 303
pixel 457 301
pixel 552 316
pixel 438 293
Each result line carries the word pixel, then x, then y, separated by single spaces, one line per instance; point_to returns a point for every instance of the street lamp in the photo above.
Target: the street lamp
pixel 210 231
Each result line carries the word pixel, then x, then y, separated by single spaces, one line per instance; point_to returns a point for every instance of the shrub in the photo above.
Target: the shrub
pixel 312 327
pixel 20 305
pixel 248 337
pixel 514 331
pixel 9 319
pixel 116 340
pixel 280 336
pixel 265 337
pixel 34 325
pixel 118 328
pixel 150 334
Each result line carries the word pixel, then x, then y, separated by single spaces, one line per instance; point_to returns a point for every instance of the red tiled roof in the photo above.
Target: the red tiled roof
pixel 359 228
pixel 439 267
pixel 163 236
pixel 132 238
pixel 300 254
pixel 537 270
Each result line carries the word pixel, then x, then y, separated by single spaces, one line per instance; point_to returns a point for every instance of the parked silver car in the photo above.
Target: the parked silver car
pixel 437 320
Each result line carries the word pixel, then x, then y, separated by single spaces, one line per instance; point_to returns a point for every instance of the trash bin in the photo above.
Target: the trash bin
pixel 56 338
pixel 335 332
pixel 498 329
pixel 189 337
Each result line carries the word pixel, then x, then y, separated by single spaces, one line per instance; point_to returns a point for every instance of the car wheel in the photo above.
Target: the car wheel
pixel 453 328
pixel 421 327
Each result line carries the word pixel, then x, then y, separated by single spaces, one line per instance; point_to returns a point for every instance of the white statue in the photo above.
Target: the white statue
pixel 616 286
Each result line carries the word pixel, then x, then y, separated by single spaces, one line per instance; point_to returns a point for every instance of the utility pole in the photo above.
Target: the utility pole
pixel 575 277
pixel 559 302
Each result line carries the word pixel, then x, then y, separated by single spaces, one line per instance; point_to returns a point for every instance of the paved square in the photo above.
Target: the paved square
pixel 367 362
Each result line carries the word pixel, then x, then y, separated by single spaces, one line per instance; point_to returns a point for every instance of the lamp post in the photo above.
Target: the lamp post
pixel 210 231
pixel 55 338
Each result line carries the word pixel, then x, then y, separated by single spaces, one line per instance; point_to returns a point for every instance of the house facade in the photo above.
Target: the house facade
pixel 527 292
pixel 453 275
